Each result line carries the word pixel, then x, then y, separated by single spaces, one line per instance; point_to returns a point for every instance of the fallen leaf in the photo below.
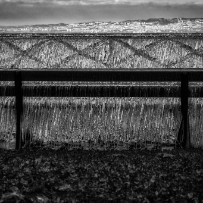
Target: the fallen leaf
pixel 199 171
pixel 38 161
pixel 24 182
pixel 15 189
pixel 167 148
pixel 152 180
pixel 11 197
pixel 166 155
pixel 146 200
pixel 42 199
pixel 150 147
pixel 190 195
pixel 65 187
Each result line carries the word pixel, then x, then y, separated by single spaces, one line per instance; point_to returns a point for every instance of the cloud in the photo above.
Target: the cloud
pixel 13 14
pixel 27 12
pixel 103 2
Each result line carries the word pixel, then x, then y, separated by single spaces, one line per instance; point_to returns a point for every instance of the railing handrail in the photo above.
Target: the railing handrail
pixel 23 35
pixel 117 75
pixel 184 76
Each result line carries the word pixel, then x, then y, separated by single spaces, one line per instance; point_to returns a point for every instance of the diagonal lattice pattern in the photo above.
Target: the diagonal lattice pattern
pixel 100 52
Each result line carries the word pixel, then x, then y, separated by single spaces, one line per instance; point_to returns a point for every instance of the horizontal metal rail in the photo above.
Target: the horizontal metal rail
pixel 94 91
pixel 183 76
pixel 105 75
pixel 62 35
pixel 101 91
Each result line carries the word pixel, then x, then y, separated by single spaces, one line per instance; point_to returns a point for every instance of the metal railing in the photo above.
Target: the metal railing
pixel 117 57
pixel 159 75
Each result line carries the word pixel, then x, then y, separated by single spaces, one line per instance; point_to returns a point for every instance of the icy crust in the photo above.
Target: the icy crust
pixel 131 26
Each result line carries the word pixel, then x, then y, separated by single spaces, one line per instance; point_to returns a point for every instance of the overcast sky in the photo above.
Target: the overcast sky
pixel 28 12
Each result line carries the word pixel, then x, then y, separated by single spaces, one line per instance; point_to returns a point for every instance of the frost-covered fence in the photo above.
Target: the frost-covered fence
pixel 102 58
pixel 135 75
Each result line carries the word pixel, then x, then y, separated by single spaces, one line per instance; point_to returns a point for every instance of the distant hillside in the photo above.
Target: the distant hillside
pixel 159 25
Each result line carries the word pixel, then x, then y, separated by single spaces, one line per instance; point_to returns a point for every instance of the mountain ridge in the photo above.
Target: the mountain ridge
pixel 130 26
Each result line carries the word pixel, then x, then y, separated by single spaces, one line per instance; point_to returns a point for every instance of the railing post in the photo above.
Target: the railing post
pixel 19 107
pixel 184 131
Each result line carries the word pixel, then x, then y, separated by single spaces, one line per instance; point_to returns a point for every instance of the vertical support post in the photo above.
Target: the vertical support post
pixel 19 107
pixel 184 131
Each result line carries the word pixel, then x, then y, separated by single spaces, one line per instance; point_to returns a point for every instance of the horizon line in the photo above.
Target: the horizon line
pixel 102 2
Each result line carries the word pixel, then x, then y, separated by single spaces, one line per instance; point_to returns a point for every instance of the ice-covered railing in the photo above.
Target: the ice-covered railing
pixel 100 50
pixel 169 53
pixel 160 75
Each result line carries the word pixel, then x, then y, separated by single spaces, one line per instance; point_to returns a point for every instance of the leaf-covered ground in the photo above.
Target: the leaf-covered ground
pixel 47 175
